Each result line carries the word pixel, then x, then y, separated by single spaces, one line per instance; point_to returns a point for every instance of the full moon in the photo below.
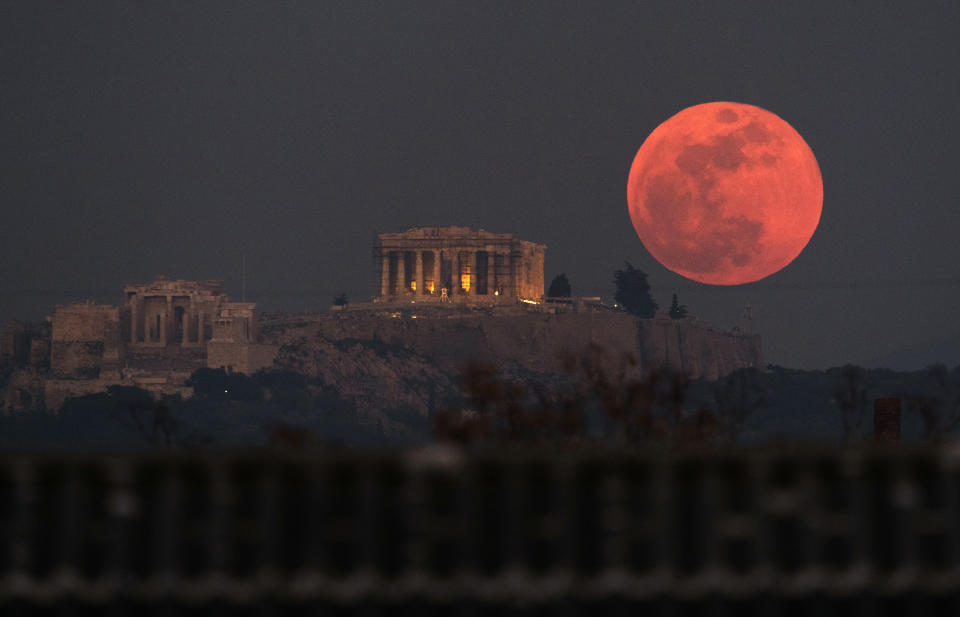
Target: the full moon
pixel 725 193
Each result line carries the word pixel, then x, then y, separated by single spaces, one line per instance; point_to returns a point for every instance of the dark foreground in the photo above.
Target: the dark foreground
pixel 438 532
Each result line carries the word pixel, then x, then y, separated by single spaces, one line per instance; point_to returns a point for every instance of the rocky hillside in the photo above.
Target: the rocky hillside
pixel 537 341
pixel 389 384
pixel 409 360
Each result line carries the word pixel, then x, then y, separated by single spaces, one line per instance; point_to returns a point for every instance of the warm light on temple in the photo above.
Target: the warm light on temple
pixel 472 264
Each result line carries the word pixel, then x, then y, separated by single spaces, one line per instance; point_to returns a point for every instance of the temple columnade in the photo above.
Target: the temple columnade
pixel 450 263
pixel 183 313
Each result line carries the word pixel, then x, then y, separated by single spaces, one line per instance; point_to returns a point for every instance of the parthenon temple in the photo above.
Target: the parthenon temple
pixel 457 264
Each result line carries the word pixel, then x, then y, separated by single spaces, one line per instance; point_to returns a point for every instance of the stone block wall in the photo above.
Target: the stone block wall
pixel 39 353
pixel 85 338
pixel 82 321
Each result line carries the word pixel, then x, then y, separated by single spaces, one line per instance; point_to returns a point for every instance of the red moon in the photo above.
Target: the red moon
pixel 725 193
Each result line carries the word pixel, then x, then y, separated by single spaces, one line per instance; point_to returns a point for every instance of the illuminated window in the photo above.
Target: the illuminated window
pixel 429 286
pixel 413 285
pixel 465 278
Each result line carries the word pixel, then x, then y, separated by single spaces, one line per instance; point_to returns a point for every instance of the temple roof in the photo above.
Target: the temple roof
pixel 451 234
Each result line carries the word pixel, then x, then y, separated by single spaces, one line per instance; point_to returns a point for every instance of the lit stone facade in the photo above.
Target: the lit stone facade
pixel 161 334
pixel 457 264
pixel 185 313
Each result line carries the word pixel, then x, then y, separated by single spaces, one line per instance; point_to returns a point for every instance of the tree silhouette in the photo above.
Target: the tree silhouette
pixel 677 310
pixel 340 300
pixel 559 287
pixel 850 396
pixel 633 292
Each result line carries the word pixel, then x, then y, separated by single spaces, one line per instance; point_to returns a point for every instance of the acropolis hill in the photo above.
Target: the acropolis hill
pixel 446 296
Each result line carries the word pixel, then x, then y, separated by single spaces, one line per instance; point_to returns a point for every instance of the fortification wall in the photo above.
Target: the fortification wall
pixel 83 321
pixel 85 339
pixel 76 359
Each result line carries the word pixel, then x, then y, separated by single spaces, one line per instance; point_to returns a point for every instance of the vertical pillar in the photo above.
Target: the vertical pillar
pixel 133 320
pixel 165 322
pixel 491 265
pixel 385 273
pixel 456 272
pixel 200 338
pixel 193 319
pixel 418 272
pixel 401 273
pixel 473 273
pixel 148 321
pixel 437 260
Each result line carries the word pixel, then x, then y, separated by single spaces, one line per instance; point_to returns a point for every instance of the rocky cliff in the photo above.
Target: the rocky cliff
pixel 538 341
pixel 409 360
pixel 695 348
pixel 388 384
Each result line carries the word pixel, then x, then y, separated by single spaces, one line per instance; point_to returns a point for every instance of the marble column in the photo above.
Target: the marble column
pixel 200 338
pixel 385 273
pixel 437 261
pixel 491 279
pixel 418 273
pixel 149 323
pixel 473 273
pixel 165 322
pixel 401 272
pixel 133 320
pixel 457 273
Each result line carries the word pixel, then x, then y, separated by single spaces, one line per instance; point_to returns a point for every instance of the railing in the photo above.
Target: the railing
pixel 725 533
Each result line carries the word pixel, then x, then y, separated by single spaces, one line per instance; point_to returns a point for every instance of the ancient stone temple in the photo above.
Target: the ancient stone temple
pixel 186 313
pixel 163 332
pixel 457 264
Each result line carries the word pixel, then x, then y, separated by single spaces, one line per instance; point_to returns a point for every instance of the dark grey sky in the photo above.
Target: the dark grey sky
pixel 171 137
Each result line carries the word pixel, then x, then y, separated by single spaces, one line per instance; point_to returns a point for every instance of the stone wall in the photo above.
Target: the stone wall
pixel 39 353
pixel 76 359
pixel 82 321
pixel 85 339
